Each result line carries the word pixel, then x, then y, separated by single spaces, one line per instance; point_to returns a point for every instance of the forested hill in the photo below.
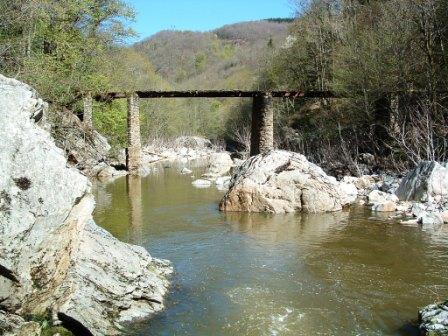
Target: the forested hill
pixel 227 58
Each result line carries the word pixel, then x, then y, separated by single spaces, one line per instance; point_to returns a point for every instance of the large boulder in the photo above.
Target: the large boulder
pixel 219 165
pixel 428 180
pixel 53 257
pixel 433 319
pixel 14 325
pixel 281 182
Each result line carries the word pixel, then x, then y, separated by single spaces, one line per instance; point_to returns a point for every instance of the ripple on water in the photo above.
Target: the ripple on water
pixel 344 273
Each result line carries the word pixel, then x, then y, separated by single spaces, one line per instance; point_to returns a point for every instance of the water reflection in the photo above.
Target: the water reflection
pixel 134 189
pixel 344 273
pixel 303 228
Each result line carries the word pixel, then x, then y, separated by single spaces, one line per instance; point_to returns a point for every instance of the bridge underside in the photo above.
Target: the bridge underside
pixel 262 127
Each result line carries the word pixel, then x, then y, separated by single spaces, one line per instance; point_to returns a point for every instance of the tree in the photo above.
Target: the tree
pixel 58 46
pixel 363 49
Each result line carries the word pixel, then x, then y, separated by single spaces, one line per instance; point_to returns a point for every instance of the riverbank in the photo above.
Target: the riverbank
pixel 291 274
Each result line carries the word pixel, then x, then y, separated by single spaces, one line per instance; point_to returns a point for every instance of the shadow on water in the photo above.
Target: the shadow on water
pixel 344 273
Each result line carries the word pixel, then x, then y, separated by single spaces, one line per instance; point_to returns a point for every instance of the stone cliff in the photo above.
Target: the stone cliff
pixel 53 257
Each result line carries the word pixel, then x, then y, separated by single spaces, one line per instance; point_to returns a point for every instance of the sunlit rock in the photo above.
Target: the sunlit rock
pixel 200 183
pixel 84 147
pixel 387 206
pixel 429 179
pixel 434 319
pixel 193 142
pixel 57 259
pixel 378 197
pixel 430 220
pixel 219 165
pixel 348 191
pixel 281 182
pixel 186 171
pixel 14 325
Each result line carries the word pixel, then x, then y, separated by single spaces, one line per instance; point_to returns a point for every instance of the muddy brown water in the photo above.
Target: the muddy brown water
pixel 346 273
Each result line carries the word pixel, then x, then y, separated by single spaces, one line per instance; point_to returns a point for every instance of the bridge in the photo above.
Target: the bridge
pixel 262 127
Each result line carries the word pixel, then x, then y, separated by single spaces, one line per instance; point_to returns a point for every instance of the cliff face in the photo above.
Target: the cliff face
pixel 53 257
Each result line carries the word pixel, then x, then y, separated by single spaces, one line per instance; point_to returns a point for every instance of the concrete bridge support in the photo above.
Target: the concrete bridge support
pixel 262 131
pixel 88 110
pixel 133 153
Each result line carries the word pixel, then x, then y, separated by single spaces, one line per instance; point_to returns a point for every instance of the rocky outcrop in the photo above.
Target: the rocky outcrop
pixel 219 165
pixel 281 182
pixel 428 181
pixel 433 319
pixel 85 148
pixel 14 325
pixel 193 142
pixel 184 149
pixel 53 257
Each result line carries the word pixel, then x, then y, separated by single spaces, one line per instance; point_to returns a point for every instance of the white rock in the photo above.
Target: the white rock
pixel 237 162
pixel 433 319
pixel 444 216
pixel 183 151
pixel 410 222
pixel 14 325
pixel 365 182
pixel 219 165
pixel 281 182
pixel 186 171
pixel 417 209
pixel 385 207
pixel 223 180
pixel 63 262
pixel 430 220
pixel 377 196
pixel 201 183
pixel 350 179
pixel 403 207
pixel 350 192
pixel 428 179
pixel 193 142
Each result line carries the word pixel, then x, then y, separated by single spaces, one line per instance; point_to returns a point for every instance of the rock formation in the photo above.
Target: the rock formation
pixel 427 181
pixel 433 319
pixel 282 182
pixel 53 257
pixel 219 165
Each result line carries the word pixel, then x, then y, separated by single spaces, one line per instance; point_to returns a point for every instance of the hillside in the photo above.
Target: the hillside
pixel 227 58
pixel 231 57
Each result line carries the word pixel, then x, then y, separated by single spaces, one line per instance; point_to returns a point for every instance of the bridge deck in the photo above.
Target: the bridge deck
pixel 218 94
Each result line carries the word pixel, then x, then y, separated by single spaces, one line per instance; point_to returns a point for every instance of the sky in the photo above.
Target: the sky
pixel 202 15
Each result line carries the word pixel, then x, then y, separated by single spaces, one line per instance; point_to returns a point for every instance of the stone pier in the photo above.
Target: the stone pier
pixel 133 157
pixel 262 131
pixel 88 110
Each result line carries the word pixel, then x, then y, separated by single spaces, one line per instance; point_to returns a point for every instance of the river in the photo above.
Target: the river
pixel 346 273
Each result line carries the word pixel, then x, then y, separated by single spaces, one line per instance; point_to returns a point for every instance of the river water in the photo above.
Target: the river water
pixel 346 273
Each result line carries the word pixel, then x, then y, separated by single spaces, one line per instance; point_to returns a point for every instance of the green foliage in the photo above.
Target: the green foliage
pixel 362 49
pixel 46 323
pixel 111 121
pixel 65 47
pixel 58 46
pixel 231 57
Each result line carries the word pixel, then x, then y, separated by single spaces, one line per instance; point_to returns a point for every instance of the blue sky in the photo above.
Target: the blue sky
pixel 202 15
